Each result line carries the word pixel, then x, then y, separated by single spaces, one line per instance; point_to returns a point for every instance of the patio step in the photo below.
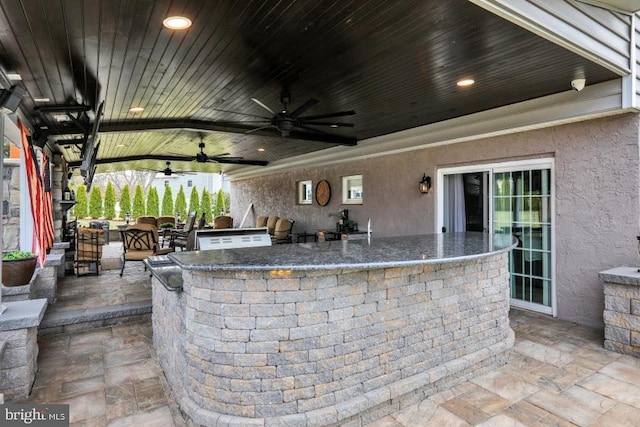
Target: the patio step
pixel 55 322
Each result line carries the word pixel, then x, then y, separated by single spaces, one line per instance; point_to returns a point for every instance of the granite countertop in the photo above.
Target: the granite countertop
pixel 375 252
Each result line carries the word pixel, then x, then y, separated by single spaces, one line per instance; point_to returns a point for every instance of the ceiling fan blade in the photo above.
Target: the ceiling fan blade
pixel 243 162
pixel 237 112
pixel 257 129
pixel 312 129
pixel 216 158
pixel 257 101
pixel 329 115
pixel 333 124
pixel 304 107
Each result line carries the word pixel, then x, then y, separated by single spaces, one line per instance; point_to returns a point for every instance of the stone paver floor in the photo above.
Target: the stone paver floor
pixel 558 374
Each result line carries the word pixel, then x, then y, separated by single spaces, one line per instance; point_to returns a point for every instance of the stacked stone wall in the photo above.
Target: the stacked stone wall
pixel 323 347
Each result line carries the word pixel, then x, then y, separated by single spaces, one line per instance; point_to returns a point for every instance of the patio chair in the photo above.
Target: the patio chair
pixel 261 221
pixel 223 221
pixel 146 219
pixel 271 223
pixel 140 241
pixel 179 237
pixel 282 230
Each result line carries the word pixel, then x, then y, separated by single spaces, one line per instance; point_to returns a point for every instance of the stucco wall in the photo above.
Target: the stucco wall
pixel 596 184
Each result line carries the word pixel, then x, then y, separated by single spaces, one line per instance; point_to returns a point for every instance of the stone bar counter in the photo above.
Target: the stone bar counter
pixel 329 333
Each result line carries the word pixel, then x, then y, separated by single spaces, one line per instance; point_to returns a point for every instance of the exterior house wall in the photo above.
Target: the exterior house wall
pixel 596 185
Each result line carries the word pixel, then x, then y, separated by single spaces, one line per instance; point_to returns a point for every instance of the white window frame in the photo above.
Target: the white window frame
pixel 347 188
pixel 305 192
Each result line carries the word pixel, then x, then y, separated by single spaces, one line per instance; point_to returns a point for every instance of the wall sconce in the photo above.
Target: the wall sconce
pixel 425 184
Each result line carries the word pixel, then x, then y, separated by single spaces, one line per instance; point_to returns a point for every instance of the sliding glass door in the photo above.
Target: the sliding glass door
pixel 508 198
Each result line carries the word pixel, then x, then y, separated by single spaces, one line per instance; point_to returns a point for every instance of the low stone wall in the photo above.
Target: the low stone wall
pixel 622 310
pixel 19 330
pixel 324 347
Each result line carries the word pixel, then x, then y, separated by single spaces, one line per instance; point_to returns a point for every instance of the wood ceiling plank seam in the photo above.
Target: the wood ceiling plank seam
pixel 198 86
pixel 53 94
pixel 22 46
pixel 109 67
pixel 188 75
pixel 136 77
pixel 227 49
pixel 126 72
pixel 166 79
pixel 171 89
pixel 157 86
pixel 266 41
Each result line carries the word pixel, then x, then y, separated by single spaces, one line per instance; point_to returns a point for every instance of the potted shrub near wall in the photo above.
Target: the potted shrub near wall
pixel 18 267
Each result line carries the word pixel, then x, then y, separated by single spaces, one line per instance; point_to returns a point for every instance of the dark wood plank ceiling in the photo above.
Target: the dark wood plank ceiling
pixel 395 62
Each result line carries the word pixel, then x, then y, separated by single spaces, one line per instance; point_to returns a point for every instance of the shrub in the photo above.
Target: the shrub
pixel 205 205
pixel 153 205
pixel 110 202
pixel 125 201
pixel 167 201
pixel 181 203
pixel 81 206
pixel 138 203
pixel 95 202
pixel 194 200
pixel 15 255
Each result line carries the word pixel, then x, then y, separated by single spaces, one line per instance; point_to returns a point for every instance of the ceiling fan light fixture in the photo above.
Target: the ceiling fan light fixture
pixel 177 22
pixel 465 82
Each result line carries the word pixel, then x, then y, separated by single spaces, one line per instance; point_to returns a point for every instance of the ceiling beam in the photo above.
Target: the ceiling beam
pixel 139 125
pixel 171 158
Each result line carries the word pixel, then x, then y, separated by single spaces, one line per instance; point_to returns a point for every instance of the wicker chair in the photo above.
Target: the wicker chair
pixel 261 221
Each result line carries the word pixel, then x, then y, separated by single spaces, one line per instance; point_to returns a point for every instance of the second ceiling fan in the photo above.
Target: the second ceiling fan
pixel 286 121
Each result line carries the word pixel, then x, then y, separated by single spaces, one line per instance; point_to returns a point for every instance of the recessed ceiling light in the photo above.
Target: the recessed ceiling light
pixel 136 109
pixel 177 23
pixel 120 145
pixel 14 76
pixel 334 126
pixel 465 82
pixel 261 149
pixel 41 100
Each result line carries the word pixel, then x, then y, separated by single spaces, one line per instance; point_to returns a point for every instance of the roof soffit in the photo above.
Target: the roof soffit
pixel 600 35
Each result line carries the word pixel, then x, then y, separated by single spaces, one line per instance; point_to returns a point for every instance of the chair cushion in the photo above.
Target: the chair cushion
pixel 223 221
pixel 138 255
pixel 261 221
pixel 271 223
pixel 146 219
pixel 282 230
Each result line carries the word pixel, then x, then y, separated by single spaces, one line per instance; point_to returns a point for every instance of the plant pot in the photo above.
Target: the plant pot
pixel 18 272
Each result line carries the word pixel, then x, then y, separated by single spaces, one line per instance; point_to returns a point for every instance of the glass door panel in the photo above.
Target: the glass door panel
pixel 522 207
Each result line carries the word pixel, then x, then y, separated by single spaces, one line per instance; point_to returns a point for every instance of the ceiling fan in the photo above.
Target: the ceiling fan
pixel 168 171
pixel 287 121
pixel 202 157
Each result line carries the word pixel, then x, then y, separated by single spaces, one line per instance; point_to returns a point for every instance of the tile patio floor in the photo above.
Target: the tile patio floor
pixel 558 375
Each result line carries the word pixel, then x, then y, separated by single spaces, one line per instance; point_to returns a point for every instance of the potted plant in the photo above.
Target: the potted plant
pixel 18 267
